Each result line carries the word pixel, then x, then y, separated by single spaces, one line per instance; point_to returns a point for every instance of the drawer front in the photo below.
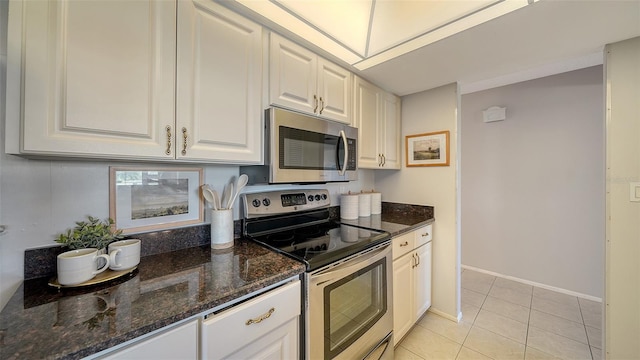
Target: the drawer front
pixel 423 235
pixel 403 244
pixel 230 330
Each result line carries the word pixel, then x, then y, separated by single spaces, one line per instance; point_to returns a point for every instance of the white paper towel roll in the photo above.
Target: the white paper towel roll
pixel 376 203
pixel 349 206
pixel 364 207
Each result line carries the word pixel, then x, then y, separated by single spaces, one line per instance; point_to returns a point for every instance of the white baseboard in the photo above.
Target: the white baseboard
pixel 445 315
pixel 533 283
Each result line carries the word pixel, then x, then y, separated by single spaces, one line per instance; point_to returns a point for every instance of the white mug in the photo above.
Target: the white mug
pixel 124 254
pixel 78 266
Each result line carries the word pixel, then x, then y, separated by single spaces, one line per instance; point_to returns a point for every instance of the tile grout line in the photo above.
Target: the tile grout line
pixel 474 320
pixel 585 329
pixel 526 338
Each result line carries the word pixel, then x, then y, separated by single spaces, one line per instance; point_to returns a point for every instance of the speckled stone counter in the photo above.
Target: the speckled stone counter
pixel 396 218
pixel 41 322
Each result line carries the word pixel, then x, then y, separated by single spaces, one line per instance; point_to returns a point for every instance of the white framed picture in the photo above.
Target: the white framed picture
pixel 429 149
pixel 145 199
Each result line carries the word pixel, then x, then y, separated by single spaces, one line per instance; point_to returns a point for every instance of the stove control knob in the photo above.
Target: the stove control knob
pixel 266 202
pixel 310 197
pixel 255 203
pixel 317 197
pixel 324 196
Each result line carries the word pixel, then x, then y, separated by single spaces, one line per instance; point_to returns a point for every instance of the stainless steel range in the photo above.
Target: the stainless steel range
pixel 348 302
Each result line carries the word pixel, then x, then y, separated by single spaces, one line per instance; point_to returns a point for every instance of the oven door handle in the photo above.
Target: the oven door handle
pixel 343 169
pixel 349 267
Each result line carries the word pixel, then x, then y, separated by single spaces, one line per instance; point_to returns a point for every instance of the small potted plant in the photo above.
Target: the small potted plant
pixel 90 234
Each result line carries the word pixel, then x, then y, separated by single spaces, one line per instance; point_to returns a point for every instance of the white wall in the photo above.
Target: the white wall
pixel 532 186
pixel 622 294
pixel 424 112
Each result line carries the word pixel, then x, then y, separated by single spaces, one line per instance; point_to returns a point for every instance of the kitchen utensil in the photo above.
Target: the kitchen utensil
pixel 229 197
pixel 240 184
pixel 211 196
pixel 226 196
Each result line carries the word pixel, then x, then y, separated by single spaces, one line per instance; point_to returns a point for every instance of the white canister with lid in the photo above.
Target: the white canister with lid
pixel 376 203
pixel 349 206
pixel 364 204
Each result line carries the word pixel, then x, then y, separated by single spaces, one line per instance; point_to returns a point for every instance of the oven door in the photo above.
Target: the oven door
pixel 349 314
pixel 308 149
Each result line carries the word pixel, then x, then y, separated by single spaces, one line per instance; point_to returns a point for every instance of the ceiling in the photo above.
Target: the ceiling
pixel 407 46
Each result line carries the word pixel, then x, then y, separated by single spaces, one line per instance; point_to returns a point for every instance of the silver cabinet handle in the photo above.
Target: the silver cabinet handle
pixel 168 130
pixel 184 141
pixel 404 243
pixel 415 261
pixel 260 318
pixel 321 105
pixel 379 160
pixel 315 100
pixel 384 160
pixel 418 257
pixel 425 234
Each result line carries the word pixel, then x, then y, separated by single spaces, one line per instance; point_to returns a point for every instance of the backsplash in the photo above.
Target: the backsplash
pixel 41 262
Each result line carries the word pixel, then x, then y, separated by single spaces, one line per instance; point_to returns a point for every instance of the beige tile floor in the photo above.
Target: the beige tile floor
pixel 504 319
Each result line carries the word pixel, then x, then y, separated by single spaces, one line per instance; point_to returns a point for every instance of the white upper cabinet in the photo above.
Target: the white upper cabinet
pixel 301 80
pixel 377 116
pixel 219 82
pixel 99 77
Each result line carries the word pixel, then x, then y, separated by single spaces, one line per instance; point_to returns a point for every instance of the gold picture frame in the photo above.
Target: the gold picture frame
pixel 151 198
pixel 428 149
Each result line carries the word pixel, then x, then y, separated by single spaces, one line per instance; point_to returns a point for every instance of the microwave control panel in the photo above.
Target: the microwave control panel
pixel 352 161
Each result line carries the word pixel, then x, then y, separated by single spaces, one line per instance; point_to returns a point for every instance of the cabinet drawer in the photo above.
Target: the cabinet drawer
pixel 402 245
pixel 423 235
pixel 233 329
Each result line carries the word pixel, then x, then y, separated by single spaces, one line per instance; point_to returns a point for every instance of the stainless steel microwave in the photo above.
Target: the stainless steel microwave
pixel 305 149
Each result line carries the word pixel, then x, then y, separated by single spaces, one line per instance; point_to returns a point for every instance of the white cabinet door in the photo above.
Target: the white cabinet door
pixel 422 280
pixel 219 77
pixel 377 116
pixel 293 75
pixel 390 115
pixel 180 342
pixel 403 295
pixel 300 80
pixel 334 90
pixel 265 327
pixel 367 100
pixel 411 279
pixel 98 77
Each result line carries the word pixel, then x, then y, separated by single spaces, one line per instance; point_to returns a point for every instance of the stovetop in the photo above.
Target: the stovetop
pixel 297 223
pixel 322 244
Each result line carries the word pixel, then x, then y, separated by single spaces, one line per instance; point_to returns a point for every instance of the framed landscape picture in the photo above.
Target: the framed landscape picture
pixel 146 199
pixel 430 149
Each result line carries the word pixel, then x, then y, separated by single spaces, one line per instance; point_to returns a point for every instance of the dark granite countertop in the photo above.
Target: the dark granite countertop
pixel 396 218
pixel 179 276
pixel 42 322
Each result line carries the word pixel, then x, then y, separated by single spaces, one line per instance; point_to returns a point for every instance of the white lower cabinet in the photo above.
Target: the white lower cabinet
pixel 179 342
pixel 266 327
pixel 411 279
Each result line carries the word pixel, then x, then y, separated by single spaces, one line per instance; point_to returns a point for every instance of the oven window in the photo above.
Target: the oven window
pixel 353 305
pixel 301 149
